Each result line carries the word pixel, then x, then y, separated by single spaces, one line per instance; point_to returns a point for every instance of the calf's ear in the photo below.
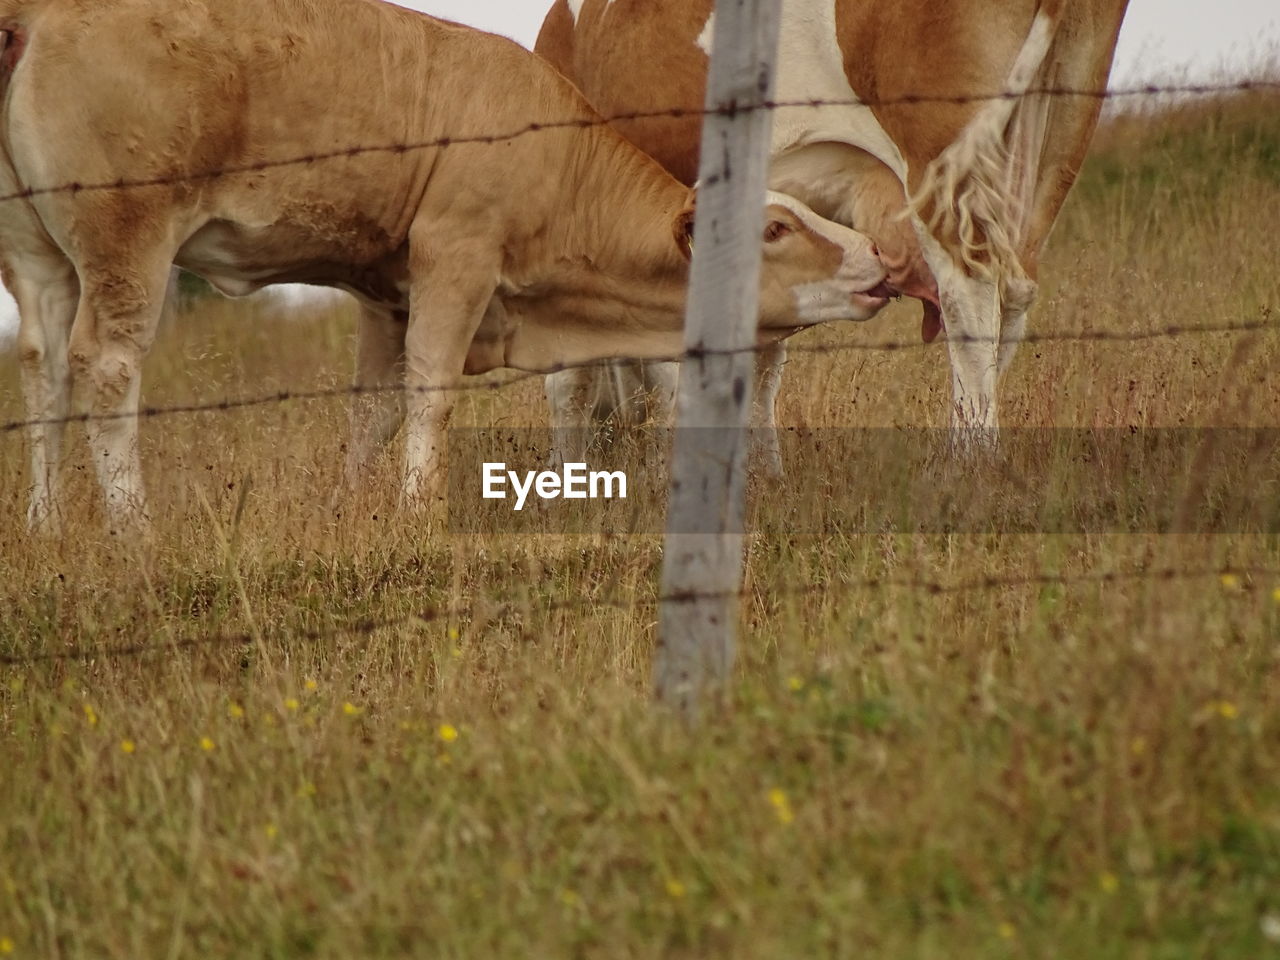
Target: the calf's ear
pixel 683 227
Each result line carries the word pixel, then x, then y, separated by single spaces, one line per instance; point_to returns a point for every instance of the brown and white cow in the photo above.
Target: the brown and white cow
pixel 986 179
pixel 562 246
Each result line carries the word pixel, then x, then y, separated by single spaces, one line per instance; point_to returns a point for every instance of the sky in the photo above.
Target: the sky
pixel 1187 39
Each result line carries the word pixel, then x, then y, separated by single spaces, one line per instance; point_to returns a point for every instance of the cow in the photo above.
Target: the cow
pixel 959 193
pixel 184 128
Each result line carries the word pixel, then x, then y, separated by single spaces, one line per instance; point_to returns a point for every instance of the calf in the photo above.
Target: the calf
pixel 562 246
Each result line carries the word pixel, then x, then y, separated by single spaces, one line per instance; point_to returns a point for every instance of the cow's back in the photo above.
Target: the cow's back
pixel 636 56
pixel 282 90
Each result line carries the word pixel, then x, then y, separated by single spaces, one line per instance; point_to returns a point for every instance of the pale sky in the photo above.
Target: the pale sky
pixel 1191 39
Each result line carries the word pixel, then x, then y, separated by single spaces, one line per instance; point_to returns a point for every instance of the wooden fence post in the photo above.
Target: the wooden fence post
pixel 702 565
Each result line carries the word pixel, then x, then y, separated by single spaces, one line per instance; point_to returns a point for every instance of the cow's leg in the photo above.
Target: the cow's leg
pixel 661 380
pixel 379 406
pixel 450 292
pixel 626 400
pixel 1018 299
pixel 1012 332
pixel 971 312
pixel 571 399
pixel 764 408
pixel 46 294
pixel 120 305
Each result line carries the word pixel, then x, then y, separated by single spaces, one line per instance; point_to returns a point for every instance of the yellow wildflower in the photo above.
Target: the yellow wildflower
pixel 448 732
pixel 291 704
pixel 311 686
pixel 271 831
pixel 1230 582
pixel 456 653
pixel 207 744
pixel 90 715
pixel 351 710
pixel 675 889
pixel 1007 930
pixel 781 804
pixel 795 684
pixel 1228 710
pixel 1138 746
pixel 1275 595
pixel 128 746
pixel 454 634
pixel 235 711
pixel 1109 882
pixel 6 946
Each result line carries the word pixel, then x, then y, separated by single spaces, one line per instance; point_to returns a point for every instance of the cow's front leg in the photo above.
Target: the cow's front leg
pixel 379 406
pixel 453 280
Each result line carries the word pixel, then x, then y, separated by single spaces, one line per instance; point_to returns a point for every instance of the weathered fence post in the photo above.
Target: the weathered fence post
pixel 702 566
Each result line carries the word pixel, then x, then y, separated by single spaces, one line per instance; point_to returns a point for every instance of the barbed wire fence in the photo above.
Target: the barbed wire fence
pixel 1267 321
pixel 281 397
pixel 1248 578
pixel 584 123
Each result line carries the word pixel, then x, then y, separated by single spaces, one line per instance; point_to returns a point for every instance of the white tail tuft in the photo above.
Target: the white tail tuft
pixel 965 192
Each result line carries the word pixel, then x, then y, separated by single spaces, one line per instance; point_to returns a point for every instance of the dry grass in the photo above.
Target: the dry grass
pixel 1085 769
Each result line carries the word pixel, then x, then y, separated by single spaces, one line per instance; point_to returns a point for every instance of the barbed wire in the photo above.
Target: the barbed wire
pixel 676 113
pixel 491 610
pixel 227 405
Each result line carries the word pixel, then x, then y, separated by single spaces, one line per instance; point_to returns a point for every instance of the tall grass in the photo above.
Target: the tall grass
pixel 1084 769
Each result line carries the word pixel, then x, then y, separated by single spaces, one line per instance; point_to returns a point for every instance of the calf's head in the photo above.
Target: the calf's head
pixel 814 271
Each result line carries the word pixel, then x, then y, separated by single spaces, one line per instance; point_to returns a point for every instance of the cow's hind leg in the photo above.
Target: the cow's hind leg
pixel 46 291
pixel 121 300
pixel 971 311
pixel 379 407
pixel 1018 299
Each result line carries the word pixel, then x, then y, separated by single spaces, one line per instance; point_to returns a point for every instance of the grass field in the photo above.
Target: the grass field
pixel 1067 759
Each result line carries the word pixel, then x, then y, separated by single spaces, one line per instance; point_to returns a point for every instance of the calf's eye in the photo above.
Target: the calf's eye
pixel 775 231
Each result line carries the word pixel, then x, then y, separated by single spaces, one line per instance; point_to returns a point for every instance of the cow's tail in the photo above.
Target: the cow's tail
pixel 971 197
